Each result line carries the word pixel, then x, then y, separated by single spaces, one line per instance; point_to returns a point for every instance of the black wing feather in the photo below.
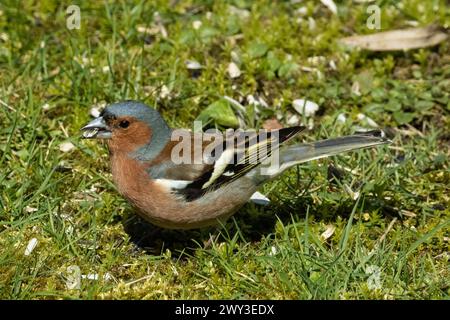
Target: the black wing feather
pixel 239 166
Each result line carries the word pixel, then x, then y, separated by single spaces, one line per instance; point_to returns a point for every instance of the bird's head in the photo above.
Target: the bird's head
pixel 129 126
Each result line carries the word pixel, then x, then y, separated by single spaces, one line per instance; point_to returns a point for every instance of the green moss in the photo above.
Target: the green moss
pixel 69 204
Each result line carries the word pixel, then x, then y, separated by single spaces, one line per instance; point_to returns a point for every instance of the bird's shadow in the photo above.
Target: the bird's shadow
pixel 155 240
pixel 252 222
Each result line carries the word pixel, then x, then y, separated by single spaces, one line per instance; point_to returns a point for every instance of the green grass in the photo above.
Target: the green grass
pixel 399 225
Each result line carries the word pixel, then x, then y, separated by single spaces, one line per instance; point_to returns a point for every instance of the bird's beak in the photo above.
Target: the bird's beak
pixel 96 129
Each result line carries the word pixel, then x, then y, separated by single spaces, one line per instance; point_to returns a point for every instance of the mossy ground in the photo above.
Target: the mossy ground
pixel 397 232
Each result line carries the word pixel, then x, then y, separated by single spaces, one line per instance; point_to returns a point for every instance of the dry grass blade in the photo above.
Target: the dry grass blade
pixel 404 39
pixel 388 229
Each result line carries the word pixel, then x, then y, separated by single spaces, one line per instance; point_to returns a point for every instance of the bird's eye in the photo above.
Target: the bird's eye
pixel 124 123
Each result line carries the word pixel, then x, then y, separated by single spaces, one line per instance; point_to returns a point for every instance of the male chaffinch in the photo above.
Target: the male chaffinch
pixel 214 183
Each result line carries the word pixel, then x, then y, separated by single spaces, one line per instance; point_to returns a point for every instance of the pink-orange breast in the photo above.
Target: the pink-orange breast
pixel 156 204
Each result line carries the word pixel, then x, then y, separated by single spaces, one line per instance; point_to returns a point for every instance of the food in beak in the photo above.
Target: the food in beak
pixel 97 128
pixel 90 133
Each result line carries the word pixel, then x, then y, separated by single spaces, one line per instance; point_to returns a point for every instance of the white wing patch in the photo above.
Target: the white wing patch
pixel 224 160
pixel 173 184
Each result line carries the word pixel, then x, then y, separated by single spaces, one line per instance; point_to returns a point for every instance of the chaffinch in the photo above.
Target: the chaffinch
pixel 201 179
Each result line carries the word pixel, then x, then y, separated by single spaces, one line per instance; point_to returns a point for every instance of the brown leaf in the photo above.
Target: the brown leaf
pixel 272 124
pixel 403 39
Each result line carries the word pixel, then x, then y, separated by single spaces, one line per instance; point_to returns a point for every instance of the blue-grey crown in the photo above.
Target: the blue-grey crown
pixel 136 109
pixel 161 132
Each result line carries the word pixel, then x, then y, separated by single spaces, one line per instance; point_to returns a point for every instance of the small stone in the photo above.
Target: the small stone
pixel 4 37
pixel 305 107
pixel 165 92
pixel 193 65
pixel 29 209
pixel 95 111
pixel 260 199
pixel 273 251
pixel 197 24
pixel 329 231
pixel 233 70
pixel 330 5
pixel 293 120
pixel 332 65
pixel 341 118
pixel 369 121
pixel 356 88
pixel 30 246
pixel 302 11
pixel 66 146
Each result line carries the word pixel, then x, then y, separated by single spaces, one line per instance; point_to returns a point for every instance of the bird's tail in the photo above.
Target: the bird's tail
pixel 310 151
pixel 296 154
